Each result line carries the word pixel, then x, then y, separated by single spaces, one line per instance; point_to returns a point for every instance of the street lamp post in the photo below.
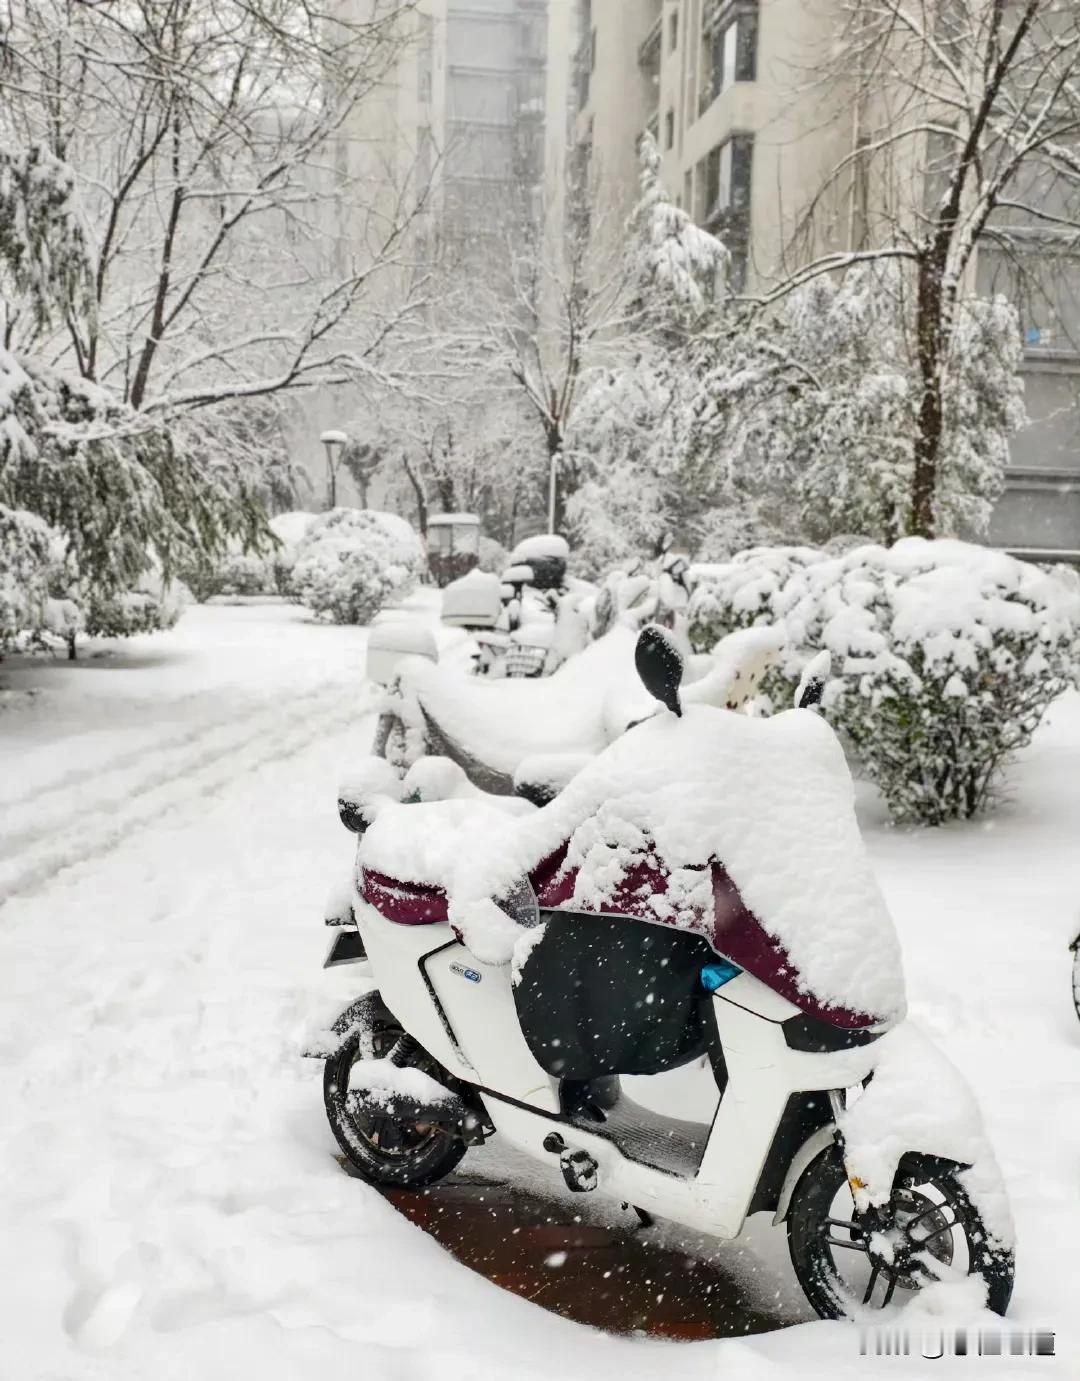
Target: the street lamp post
pixel 333 441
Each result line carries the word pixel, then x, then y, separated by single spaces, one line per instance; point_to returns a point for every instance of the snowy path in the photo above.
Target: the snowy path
pixel 170 1203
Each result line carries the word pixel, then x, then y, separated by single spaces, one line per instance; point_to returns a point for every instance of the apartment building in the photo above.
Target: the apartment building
pixel 748 133
pixel 477 110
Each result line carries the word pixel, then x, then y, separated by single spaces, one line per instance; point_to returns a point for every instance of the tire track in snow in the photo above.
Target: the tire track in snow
pixel 36 795
pixel 177 779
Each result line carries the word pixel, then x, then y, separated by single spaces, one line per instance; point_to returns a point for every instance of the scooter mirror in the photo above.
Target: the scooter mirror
pixel 660 665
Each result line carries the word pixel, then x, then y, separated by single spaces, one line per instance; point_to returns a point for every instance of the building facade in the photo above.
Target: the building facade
pixel 748 135
pixel 476 113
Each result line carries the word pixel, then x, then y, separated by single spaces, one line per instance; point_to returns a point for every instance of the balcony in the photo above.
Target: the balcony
pixel 651 49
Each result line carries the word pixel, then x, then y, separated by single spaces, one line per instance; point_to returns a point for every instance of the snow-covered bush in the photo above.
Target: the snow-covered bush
pixel 153 605
pixel 742 592
pixel 290 529
pixel 493 555
pixel 353 561
pixel 43 602
pixel 25 543
pixel 945 656
pixel 247 573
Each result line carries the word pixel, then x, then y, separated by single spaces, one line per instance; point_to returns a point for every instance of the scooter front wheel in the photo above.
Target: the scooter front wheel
pixel 848 1271
pixel 383 1149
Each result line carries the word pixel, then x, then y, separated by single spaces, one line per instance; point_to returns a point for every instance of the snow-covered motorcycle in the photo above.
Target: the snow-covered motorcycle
pixel 697 896
pixel 531 736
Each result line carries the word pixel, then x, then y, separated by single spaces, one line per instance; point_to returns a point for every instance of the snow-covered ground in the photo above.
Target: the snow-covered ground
pixel 169 1200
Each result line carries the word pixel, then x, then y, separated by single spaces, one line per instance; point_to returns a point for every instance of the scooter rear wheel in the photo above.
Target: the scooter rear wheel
pixel 938 1232
pixel 383 1149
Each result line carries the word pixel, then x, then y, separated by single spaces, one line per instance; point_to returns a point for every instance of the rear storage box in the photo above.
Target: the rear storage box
pixel 474 601
pixel 388 643
pixel 612 995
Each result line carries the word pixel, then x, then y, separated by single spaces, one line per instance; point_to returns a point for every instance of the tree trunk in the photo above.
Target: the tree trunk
pixel 421 497
pixel 929 331
pixel 71 646
pixel 557 460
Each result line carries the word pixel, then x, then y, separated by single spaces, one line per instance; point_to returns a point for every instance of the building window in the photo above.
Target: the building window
pixel 688 190
pixel 673 31
pixel 726 200
pixel 669 130
pixel 728 48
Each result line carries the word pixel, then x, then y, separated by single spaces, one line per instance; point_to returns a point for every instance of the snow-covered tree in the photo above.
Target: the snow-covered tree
pixel 44 262
pixel 553 302
pixel 112 482
pixel 967 111
pixel 835 424
pixel 634 437
pixel 680 270
pixel 230 233
pixel 121 494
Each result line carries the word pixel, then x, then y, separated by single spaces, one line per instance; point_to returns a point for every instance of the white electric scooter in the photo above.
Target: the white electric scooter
pixel 451 1049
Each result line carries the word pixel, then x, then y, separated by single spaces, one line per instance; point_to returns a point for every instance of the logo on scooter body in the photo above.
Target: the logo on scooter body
pixel 470 974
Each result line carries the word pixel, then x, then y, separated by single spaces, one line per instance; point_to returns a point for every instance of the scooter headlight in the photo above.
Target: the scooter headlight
pixel 716 974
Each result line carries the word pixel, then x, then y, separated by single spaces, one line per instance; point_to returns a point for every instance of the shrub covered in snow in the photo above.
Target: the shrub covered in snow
pixel 493 555
pixel 742 592
pixel 248 573
pixel 153 605
pixel 24 569
pixel 290 529
pixel 353 561
pixel 42 600
pixel 945 655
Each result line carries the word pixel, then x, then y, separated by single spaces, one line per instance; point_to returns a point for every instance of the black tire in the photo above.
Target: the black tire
pixel 382 1149
pixel 1076 975
pixel 928 1197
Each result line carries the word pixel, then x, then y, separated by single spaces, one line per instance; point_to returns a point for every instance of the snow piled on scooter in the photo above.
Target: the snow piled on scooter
pixel 918 1098
pixel 492 720
pixel 589 701
pixel 770 799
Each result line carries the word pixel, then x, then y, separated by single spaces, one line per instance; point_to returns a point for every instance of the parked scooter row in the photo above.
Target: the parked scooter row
pixel 531 619
pixel 694 892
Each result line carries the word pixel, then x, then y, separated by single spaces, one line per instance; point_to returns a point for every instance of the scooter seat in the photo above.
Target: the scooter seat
pixel 406 903
pixel 418 844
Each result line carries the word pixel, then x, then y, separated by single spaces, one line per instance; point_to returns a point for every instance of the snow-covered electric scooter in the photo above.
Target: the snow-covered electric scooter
pixel 697 895
pixel 506 733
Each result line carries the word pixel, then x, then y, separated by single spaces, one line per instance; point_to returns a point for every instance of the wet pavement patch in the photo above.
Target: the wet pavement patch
pixel 614 1279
